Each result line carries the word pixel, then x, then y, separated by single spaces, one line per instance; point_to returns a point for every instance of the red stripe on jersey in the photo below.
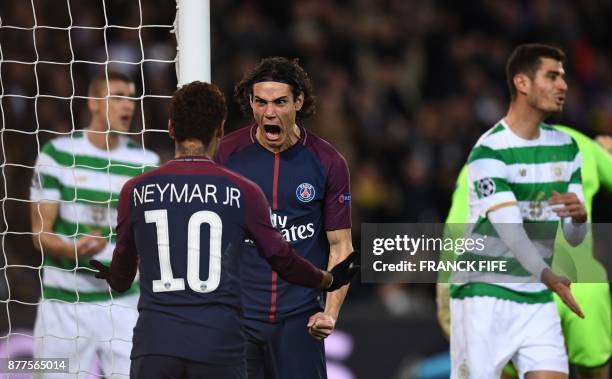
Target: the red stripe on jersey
pixel 272 315
pixel 275 182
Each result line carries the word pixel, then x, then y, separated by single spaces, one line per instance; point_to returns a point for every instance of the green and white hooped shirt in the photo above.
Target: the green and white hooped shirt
pixel 504 168
pixel 86 182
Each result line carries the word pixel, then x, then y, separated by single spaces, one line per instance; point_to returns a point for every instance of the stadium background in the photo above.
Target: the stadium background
pixel 403 90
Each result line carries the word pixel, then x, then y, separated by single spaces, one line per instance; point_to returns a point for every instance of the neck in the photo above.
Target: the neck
pixel 292 139
pixel 102 140
pixel 192 148
pixel 524 120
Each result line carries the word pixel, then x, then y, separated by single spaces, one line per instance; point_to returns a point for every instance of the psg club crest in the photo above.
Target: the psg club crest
pixel 305 192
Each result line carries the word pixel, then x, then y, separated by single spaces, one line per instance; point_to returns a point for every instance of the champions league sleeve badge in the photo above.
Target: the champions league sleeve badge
pixel 305 192
pixel 486 187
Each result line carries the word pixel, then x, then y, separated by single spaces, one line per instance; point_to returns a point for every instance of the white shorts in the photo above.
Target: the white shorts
pixel 487 333
pixel 80 331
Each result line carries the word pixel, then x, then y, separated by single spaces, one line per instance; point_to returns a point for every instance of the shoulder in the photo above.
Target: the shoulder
pixel 62 149
pixel 133 181
pixel 494 137
pixel 489 142
pixel 241 181
pixel 325 152
pixel 234 142
pixel 138 152
pixel 556 136
pixel 249 189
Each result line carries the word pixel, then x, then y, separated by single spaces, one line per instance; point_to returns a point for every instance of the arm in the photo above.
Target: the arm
pixel 44 215
pixel 603 159
pixel 570 206
pixel 508 224
pixel 496 201
pixel 322 324
pixel 337 215
pixel 454 228
pixel 340 246
pixel 45 193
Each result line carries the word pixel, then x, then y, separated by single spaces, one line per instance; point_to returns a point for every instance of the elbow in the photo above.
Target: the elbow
pixel 574 242
pixel 574 233
pixel 36 241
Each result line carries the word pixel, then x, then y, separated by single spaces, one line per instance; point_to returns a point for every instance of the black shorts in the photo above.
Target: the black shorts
pixel 284 350
pixel 166 367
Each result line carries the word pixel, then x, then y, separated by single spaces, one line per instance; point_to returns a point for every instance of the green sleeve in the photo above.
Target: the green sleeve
pixel 460 207
pixel 603 160
pixel 457 217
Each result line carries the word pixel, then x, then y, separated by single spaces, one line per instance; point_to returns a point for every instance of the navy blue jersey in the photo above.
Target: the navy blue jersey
pixel 183 224
pixel 308 188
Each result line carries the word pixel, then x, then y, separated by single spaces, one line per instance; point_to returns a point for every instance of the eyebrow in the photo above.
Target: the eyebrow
pixel 557 72
pixel 273 100
pixel 123 93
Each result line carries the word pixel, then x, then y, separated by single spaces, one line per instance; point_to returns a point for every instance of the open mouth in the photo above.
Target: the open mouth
pixel 272 132
pixel 560 100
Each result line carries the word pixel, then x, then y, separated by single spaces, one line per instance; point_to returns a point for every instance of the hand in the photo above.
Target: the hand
pixel 90 245
pixel 344 271
pixel 605 142
pixel 321 325
pixel 561 286
pixel 568 205
pixel 103 271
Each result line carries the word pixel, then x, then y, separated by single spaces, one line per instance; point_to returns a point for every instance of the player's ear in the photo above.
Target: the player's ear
pixel 299 101
pixel 170 129
pixel 93 104
pixel 521 83
pixel 221 129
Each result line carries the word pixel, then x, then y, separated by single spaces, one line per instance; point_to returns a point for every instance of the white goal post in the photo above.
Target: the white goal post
pixel 193 39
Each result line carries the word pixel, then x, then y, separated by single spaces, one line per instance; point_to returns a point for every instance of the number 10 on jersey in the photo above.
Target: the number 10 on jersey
pixel 168 282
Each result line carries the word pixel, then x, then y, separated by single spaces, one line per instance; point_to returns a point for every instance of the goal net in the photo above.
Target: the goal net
pixel 49 52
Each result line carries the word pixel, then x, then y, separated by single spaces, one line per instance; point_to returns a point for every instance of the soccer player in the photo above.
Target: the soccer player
pixel 522 172
pixel 182 225
pixel 74 194
pixel 307 183
pixel 588 340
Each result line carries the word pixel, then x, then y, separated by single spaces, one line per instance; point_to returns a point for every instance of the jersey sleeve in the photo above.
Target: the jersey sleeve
pixel 488 173
pixel 337 207
pixel 603 160
pixel 125 258
pixel 271 245
pixel 460 208
pixel 46 184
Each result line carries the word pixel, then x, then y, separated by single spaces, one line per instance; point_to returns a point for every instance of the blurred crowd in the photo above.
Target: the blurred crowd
pixel 404 88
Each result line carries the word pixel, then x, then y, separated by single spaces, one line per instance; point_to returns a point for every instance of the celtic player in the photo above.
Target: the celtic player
pixel 521 173
pixel 588 340
pixel 74 194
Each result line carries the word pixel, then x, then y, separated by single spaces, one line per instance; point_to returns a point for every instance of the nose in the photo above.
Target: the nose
pixel 129 103
pixel 562 85
pixel 269 112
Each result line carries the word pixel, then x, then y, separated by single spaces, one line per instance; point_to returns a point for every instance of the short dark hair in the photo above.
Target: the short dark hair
pixel 525 59
pixel 282 70
pixel 196 111
pixel 97 83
